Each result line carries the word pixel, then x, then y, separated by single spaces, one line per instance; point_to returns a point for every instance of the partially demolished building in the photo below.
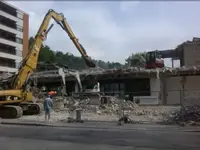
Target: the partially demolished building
pixel 166 86
pixel 155 86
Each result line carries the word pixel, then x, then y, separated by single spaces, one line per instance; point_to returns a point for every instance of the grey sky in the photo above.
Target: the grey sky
pixel 111 31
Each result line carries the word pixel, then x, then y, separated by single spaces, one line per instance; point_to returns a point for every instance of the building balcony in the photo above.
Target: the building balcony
pixel 7 69
pixel 15 31
pixel 19 21
pixel 10 56
pixel 11 43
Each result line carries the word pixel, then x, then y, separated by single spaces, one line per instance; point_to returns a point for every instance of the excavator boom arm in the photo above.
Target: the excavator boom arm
pixel 29 63
pixel 80 48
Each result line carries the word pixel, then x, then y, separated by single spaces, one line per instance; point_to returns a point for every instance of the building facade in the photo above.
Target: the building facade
pixel 14 26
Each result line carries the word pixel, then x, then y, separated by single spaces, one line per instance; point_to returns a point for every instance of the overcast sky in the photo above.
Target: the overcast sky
pixel 112 31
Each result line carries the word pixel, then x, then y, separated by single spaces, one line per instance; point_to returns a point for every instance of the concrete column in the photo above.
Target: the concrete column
pixel 76 88
pixel 163 90
pixel 182 97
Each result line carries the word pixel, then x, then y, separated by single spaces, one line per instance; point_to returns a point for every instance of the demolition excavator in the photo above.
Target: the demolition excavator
pixel 17 100
pixel 154 59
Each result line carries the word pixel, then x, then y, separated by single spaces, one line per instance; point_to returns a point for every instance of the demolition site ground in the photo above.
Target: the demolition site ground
pixel 65 113
pixel 101 130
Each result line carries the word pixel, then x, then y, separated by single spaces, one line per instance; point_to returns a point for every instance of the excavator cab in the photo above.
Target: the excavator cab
pixel 154 60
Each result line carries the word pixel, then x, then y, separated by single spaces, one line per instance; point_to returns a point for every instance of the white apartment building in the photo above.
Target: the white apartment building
pixel 13 36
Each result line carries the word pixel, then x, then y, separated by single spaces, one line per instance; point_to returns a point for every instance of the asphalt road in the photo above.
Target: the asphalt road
pixel 57 138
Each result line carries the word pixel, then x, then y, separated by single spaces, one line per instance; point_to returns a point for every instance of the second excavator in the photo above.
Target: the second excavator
pixel 16 99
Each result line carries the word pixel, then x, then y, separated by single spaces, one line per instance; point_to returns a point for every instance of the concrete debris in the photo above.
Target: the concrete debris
pixel 38 94
pixel 131 70
pixel 111 109
pixel 71 120
pixel 5 80
pixel 116 107
pixel 186 115
pixel 5 75
pixel 130 109
pixel 69 103
pixel 124 119
pixel 92 113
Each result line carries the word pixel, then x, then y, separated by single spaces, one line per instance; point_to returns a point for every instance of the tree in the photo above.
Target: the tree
pixel 136 60
pixel 46 54
pixel 67 59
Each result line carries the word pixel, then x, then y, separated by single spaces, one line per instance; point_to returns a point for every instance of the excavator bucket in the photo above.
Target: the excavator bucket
pixel 89 62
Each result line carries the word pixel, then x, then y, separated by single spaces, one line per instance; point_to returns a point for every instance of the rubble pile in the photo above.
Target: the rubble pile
pixel 116 106
pixel 138 113
pixel 69 103
pixel 151 110
pixel 135 109
pixel 186 115
pixel 37 94
pixel 5 75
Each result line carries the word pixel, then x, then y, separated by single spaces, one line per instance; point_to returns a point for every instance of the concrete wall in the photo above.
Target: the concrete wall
pixel 173 88
pixel 191 91
pixel 155 86
pixel 191 54
pixel 155 93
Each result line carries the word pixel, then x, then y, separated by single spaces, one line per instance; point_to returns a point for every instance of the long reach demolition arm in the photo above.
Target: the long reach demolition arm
pixel 29 63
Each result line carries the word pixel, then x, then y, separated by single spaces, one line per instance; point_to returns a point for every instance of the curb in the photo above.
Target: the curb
pixel 197 131
pixel 27 124
pixel 71 126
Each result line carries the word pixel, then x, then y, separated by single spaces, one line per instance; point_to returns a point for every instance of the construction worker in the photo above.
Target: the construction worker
pixel 48 105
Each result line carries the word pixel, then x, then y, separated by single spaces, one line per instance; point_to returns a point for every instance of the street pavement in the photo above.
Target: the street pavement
pixel 14 137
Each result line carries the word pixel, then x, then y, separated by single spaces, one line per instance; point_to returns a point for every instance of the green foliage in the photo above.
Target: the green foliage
pixel 136 60
pixel 74 62
pixel 31 40
pixel 47 54
pixel 67 59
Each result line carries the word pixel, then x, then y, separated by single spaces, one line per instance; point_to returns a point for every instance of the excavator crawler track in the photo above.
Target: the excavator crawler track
pixel 10 111
pixel 32 108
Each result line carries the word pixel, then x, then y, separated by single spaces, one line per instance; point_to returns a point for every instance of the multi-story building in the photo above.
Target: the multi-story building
pixel 14 26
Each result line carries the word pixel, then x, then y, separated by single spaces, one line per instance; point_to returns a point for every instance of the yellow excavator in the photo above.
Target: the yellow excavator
pixel 17 99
